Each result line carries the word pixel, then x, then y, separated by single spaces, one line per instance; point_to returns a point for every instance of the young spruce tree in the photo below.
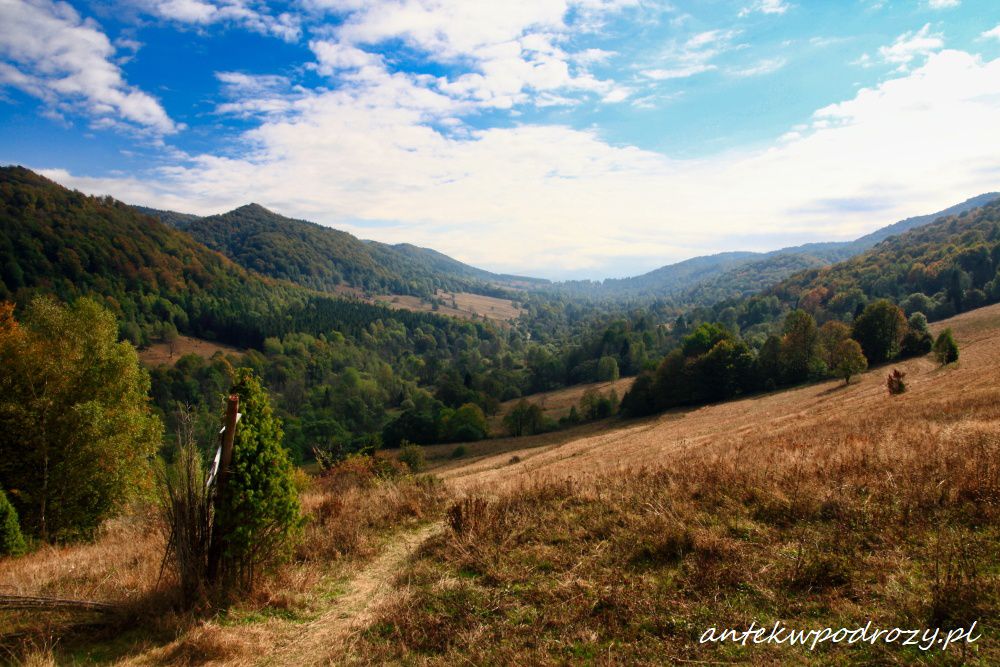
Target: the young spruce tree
pixel 260 509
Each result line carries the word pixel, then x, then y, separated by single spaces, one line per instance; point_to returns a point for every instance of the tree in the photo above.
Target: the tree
pixel 880 329
pixel 260 508
pixel 831 335
pixel 945 348
pixel 524 419
pixel 798 345
pixel 467 424
pixel 11 539
pixel 848 359
pixel 607 369
pixel 76 431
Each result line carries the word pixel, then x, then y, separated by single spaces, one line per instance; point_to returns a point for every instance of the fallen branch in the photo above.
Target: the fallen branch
pixel 27 602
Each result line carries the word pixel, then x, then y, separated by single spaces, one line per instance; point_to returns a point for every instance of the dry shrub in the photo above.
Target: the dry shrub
pixel 357 499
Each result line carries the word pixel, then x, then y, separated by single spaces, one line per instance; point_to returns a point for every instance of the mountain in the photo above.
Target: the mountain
pixel 706 280
pixel 172 218
pixel 949 265
pixel 54 241
pixel 331 260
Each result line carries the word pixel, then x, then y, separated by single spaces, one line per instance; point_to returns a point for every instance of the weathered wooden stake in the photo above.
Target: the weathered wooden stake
pixel 221 478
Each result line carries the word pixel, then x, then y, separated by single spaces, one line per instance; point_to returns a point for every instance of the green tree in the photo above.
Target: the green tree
pixel 798 345
pixel 260 507
pixel 945 348
pixel 76 432
pixel 848 359
pixel 607 369
pixel 468 424
pixel 880 329
pixel 524 419
pixel 11 539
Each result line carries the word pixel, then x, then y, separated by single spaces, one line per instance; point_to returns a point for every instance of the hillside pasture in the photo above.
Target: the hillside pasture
pixel 457 304
pixel 159 354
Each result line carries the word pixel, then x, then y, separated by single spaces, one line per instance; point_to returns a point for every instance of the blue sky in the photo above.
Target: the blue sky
pixel 561 138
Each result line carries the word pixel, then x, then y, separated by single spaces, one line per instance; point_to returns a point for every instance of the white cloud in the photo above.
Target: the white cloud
pixel 943 4
pixel 693 56
pixel 992 34
pixel 766 66
pixel 507 53
pixel 67 61
pixel 766 7
pixel 911 45
pixel 285 26
pixel 551 199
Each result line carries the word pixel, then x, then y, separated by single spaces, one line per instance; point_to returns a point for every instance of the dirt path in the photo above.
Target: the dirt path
pixel 328 637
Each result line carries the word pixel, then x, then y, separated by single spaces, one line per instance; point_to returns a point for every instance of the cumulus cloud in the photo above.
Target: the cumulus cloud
pixel 912 45
pixel 943 4
pixel 992 34
pixel 552 199
pixel 52 53
pixel 504 54
pixel 285 25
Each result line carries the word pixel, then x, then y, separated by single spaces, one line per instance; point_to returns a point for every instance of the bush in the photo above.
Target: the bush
pixel 894 382
pixel 186 509
pixel 11 540
pixel 459 452
pixel 945 348
pixel 412 455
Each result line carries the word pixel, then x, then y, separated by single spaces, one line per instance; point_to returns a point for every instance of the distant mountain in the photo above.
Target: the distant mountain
pixel 172 218
pixel 328 259
pixel 712 278
pixel 939 268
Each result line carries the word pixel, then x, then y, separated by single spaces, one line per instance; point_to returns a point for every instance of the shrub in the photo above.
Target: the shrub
pixel 458 452
pixel 945 348
pixel 894 382
pixel 186 508
pixel 11 539
pixel 412 455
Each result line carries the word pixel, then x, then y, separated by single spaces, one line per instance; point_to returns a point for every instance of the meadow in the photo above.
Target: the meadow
pixel 621 542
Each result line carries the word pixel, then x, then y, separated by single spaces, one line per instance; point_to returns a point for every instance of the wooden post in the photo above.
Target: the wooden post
pixel 221 478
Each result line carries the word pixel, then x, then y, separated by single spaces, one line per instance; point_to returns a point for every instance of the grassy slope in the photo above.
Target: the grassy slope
pixel 821 506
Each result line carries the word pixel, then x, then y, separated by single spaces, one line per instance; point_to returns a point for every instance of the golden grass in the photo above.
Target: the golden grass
pixel 350 513
pixel 457 304
pixel 160 353
pixel 610 543
pixel 819 506
pixel 557 403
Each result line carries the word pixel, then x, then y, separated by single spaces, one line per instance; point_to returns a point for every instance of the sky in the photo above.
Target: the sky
pixel 553 138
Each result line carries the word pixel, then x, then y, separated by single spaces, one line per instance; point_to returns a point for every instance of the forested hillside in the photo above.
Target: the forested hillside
pixel 703 281
pixel 328 259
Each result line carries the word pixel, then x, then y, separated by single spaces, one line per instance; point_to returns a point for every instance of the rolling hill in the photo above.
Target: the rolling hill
pixel 327 259
pixel 708 279
pixel 59 242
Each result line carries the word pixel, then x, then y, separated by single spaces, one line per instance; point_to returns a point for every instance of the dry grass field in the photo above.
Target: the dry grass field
pixel 458 304
pixel 163 353
pixel 617 542
pixel 557 403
